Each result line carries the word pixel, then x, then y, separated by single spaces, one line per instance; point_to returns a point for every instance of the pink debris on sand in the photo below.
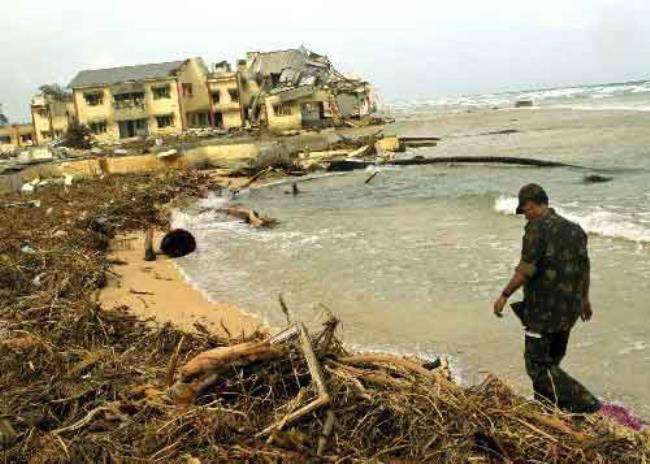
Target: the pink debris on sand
pixel 622 416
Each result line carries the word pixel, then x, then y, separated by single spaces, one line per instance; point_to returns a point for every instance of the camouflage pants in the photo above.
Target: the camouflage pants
pixel 543 354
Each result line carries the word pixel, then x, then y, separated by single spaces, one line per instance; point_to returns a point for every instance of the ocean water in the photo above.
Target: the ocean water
pixel 412 261
pixel 618 96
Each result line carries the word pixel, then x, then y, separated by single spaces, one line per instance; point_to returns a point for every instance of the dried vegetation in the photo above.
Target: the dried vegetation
pixel 83 384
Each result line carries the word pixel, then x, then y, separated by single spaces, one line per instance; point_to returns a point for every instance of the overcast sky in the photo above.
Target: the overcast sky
pixel 408 48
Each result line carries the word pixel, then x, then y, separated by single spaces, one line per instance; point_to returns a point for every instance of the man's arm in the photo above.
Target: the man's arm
pixel 532 251
pixel 518 279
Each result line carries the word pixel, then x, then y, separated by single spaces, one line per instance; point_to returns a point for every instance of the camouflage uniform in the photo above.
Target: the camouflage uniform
pixel 554 258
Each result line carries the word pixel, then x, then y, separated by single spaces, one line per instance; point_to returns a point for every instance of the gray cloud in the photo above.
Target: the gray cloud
pixel 410 49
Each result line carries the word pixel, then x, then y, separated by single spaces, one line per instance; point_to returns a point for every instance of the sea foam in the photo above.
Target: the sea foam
pixel 597 222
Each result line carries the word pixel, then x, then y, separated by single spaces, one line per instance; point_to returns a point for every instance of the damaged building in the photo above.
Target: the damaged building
pixel 51 116
pixel 280 90
pixel 14 136
pixel 297 89
pixel 150 99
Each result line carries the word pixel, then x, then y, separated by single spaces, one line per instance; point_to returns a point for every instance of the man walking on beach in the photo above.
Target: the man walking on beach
pixel 554 271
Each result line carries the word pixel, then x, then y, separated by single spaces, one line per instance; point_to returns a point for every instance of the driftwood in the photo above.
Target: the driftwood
pixel 227 356
pixel 328 428
pixel 372 176
pixel 205 369
pixel 252 180
pixel 318 381
pixel 249 216
pixel 149 253
pixel 387 359
pixel 360 152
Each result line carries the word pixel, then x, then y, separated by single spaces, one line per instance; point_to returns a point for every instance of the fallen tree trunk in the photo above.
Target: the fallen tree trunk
pixel 482 159
pixel 350 165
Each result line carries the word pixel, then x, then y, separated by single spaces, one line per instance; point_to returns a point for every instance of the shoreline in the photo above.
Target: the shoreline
pixel 160 290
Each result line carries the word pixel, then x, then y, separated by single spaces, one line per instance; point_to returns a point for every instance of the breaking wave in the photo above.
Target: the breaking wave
pixel 599 222
pixel 506 205
pixel 623 96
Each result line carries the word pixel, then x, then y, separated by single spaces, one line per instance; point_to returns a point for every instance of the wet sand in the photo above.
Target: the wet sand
pixel 158 289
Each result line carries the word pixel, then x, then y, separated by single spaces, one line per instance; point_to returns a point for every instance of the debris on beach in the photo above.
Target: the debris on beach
pixel 596 179
pixel 248 215
pixel 178 243
pixel 81 383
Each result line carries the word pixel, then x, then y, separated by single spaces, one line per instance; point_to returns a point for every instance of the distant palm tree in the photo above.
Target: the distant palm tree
pixel 3 119
pixel 56 92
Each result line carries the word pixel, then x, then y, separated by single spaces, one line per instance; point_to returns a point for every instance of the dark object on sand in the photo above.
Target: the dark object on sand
pixel 149 253
pixel 178 243
pixel 596 179
pixel 524 104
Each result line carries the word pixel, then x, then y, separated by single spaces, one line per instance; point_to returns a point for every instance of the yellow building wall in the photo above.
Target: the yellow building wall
pixel 153 107
pixel 8 140
pixel 163 106
pixel 41 125
pixel 86 113
pixel 15 132
pixel 279 123
pixel 61 122
pixel 193 72
pixel 230 109
pixel 60 117
pixel 232 119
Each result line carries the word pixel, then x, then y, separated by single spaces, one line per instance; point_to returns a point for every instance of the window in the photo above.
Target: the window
pixel 42 112
pixel 128 100
pixel 5 139
pixel 187 90
pixel 198 119
pixel 97 127
pixel 160 92
pixel 26 137
pixel 46 134
pixel 216 96
pixel 234 94
pixel 282 110
pixel 94 98
pixel 165 121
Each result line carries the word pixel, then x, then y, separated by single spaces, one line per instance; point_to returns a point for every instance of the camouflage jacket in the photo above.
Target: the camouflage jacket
pixel 554 257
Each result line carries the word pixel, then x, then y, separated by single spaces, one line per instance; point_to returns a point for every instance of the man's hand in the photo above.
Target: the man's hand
pixel 586 311
pixel 498 306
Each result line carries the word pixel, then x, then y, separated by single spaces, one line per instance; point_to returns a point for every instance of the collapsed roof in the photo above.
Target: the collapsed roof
pixel 283 70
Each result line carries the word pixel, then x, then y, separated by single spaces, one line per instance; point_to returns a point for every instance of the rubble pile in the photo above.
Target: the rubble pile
pixel 84 384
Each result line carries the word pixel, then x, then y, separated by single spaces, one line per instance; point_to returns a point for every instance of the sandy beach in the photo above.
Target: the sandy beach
pixel 158 289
